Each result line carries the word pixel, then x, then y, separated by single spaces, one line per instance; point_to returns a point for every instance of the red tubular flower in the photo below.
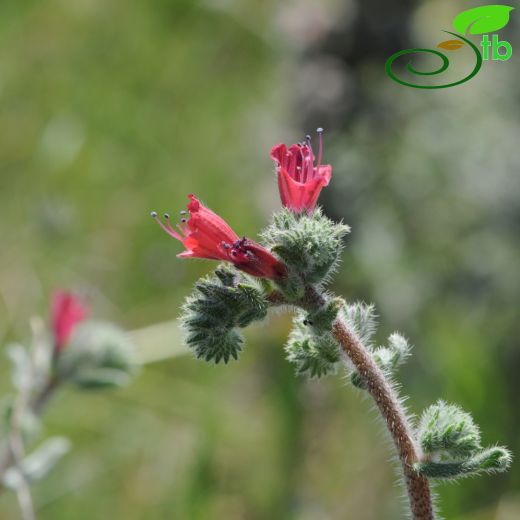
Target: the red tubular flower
pixel 299 180
pixel 67 311
pixel 206 235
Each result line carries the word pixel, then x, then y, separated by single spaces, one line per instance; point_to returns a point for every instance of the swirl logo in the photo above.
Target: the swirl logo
pixel 478 21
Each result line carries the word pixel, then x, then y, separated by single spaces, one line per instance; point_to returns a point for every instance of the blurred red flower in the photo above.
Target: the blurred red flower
pixel 66 312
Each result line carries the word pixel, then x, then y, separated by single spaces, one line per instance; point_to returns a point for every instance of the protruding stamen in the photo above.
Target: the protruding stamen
pixel 184 220
pixel 168 223
pixel 308 163
pixel 183 212
pixel 307 160
pixel 301 171
pixel 320 151
pixel 166 227
pixel 183 228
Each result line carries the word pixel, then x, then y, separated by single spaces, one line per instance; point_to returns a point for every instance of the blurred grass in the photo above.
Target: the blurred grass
pixel 111 109
pixel 158 342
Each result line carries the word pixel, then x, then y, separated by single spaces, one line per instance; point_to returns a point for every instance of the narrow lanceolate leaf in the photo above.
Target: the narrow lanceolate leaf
pixel 38 464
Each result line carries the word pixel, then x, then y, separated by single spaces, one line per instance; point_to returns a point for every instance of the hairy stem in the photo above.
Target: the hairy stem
pixel 387 401
pixel 13 454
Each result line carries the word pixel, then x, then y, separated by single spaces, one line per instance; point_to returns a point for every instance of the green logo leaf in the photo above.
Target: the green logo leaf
pixel 481 20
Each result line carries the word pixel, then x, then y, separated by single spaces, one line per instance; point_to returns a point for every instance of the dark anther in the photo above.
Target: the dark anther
pixel 307 322
pixel 153 214
pixel 183 220
pixel 166 216
pixel 240 243
pixel 183 212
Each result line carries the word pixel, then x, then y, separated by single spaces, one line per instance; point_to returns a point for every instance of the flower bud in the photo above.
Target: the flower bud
pixel 219 305
pixel 448 429
pixel 315 353
pixel 99 355
pixel 450 441
pixel 67 311
pixel 309 245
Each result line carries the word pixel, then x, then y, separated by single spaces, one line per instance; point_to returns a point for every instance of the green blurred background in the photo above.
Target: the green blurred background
pixel 109 109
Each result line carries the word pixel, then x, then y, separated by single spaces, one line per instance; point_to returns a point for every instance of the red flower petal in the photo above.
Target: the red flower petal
pixel 206 235
pixel 299 180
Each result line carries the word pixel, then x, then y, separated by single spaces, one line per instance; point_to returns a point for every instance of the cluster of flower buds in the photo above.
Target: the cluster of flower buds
pixel 451 445
pixel 219 306
pixel 88 353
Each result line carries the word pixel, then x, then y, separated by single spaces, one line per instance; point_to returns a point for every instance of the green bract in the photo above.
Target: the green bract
pixel 446 429
pixel 315 354
pixel 361 319
pixel 310 246
pixel 450 441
